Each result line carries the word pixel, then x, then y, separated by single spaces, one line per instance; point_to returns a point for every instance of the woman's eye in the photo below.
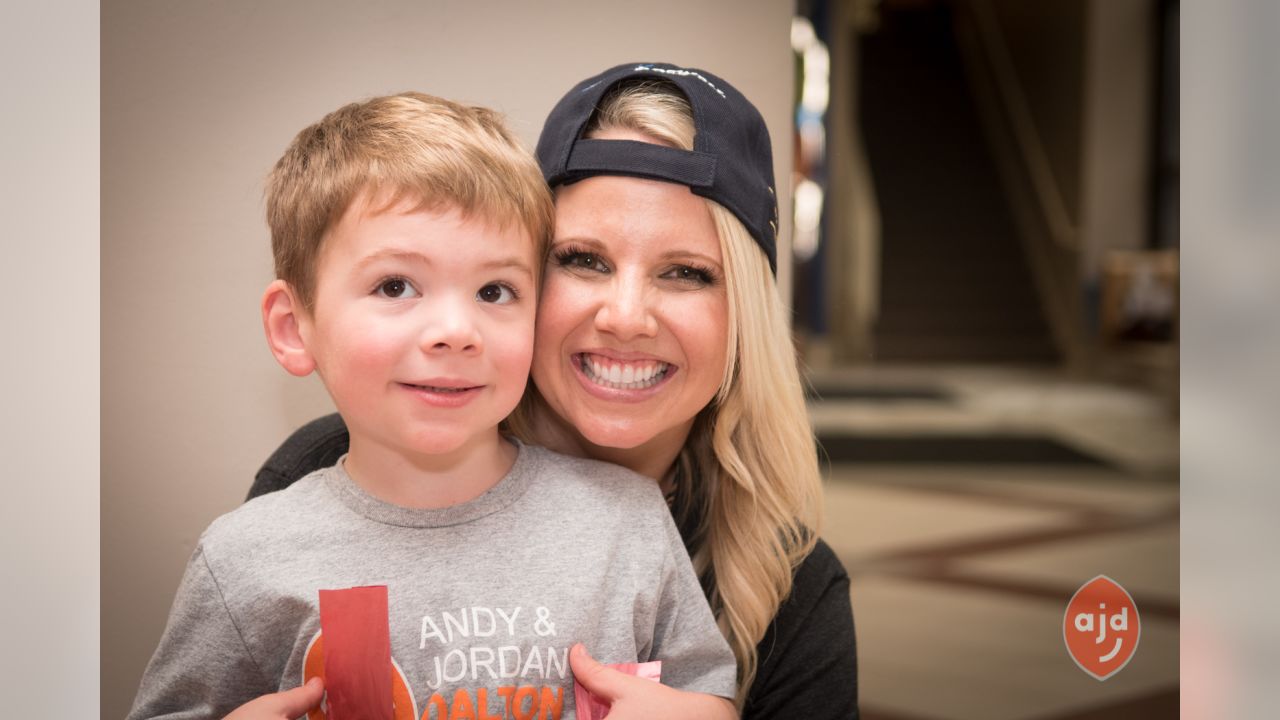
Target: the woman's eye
pixel 396 288
pixel 584 260
pixel 689 274
pixel 496 293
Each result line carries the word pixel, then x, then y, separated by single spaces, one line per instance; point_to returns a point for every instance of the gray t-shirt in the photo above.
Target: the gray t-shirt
pixel 485 598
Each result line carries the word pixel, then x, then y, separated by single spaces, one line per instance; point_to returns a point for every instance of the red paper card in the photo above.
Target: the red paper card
pixel 590 707
pixel 357 653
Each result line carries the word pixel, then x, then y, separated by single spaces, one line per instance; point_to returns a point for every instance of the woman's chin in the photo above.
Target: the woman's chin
pixel 618 426
pixel 631 433
pixel 618 438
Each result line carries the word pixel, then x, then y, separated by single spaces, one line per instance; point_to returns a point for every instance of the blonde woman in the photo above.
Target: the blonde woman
pixel 661 345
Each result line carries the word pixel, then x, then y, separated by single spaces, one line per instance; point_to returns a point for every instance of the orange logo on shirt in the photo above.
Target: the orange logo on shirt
pixel 402 702
pixel 1101 627
pixel 523 702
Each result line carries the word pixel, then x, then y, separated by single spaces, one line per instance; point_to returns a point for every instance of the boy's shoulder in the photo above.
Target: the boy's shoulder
pixel 274 517
pixel 595 481
pixel 579 466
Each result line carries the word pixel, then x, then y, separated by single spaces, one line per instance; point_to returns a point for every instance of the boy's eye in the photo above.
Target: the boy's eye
pixel 397 288
pixel 496 293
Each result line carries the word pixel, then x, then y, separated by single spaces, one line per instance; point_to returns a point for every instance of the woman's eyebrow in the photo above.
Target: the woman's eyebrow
pixel 674 255
pixel 577 240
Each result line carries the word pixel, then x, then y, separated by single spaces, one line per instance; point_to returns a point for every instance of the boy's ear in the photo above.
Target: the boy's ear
pixel 282 319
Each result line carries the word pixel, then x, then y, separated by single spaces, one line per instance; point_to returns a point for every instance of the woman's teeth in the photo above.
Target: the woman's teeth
pixel 623 376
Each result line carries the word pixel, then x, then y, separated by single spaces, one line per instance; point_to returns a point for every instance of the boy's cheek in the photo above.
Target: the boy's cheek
pixel 513 359
pixel 517 344
pixel 374 359
pixel 359 358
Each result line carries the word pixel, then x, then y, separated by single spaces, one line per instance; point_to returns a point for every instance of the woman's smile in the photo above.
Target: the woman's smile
pixel 604 372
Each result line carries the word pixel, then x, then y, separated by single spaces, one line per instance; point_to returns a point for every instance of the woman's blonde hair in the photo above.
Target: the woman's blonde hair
pixel 748 490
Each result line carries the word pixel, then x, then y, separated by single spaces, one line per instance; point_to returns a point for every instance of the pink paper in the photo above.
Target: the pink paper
pixel 357 653
pixel 590 707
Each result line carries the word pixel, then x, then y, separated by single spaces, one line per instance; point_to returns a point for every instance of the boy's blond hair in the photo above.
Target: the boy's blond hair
pixel 436 151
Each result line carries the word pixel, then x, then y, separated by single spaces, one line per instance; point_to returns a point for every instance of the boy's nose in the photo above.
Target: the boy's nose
pixel 452 328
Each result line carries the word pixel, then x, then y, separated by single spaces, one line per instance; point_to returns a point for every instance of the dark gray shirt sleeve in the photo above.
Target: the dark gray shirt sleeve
pixel 201 669
pixel 808 658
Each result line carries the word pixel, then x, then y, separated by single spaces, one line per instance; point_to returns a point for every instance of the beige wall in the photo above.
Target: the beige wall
pixel 198 99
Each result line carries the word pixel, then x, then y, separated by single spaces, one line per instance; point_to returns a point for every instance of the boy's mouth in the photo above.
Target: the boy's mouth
pixel 439 389
pixel 622 375
pixel 444 392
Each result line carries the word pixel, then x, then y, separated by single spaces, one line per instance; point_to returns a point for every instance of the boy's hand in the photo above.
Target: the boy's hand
pixel 287 705
pixel 637 698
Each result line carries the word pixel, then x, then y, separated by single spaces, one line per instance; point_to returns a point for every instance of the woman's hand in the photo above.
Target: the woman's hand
pixel 286 705
pixel 639 699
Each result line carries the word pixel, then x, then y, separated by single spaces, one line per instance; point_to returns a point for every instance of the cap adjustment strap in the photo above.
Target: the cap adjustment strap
pixel 630 157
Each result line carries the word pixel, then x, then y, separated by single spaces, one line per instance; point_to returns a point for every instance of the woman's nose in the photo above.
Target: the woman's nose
pixel 626 312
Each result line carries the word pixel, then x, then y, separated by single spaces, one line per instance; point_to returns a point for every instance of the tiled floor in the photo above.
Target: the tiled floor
pixel 962 570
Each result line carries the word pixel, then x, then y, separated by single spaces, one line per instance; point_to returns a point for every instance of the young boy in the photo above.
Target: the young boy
pixel 408 234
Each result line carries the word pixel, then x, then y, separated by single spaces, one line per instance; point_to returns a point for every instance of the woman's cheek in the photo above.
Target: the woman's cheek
pixel 700 321
pixel 562 300
pixel 557 314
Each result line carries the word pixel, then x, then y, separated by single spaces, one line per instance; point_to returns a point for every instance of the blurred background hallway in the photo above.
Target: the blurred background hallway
pixel 968 504
pixel 985 283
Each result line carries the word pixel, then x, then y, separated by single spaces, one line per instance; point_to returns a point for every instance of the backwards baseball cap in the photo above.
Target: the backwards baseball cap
pixel 731 161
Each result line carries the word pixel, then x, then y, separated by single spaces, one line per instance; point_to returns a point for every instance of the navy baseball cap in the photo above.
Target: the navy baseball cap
pixel 731 161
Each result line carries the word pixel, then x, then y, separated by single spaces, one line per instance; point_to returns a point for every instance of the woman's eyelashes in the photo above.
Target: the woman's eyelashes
pixel 577 258
pixel 692 274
